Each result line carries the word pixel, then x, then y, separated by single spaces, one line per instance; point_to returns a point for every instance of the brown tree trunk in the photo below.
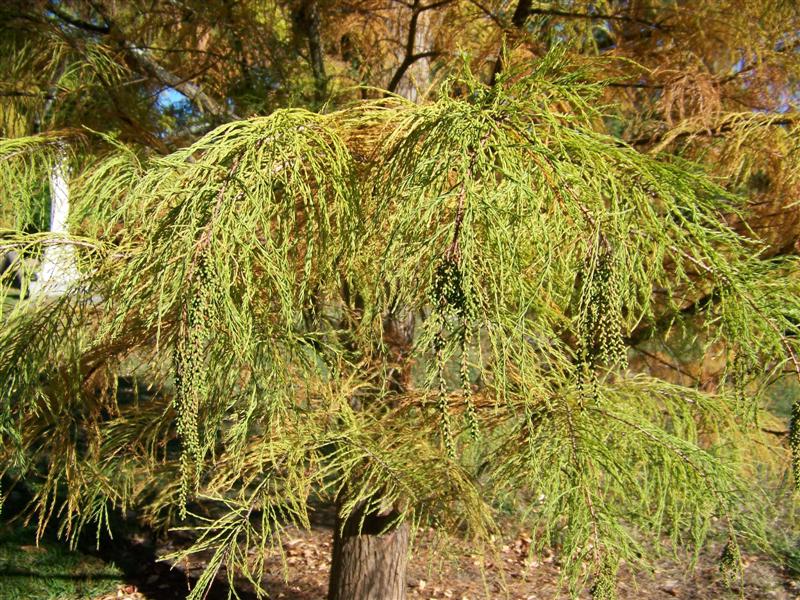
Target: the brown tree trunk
pixel 370 549
pixel 369 559
pixel 307 18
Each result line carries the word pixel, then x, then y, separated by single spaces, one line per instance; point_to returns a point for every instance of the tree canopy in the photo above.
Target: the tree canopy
pixel 415 259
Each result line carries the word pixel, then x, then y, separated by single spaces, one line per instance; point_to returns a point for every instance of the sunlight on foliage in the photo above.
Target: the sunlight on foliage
pixel 255 281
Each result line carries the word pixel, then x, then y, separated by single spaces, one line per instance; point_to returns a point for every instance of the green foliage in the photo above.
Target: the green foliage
pixel 269 265
pixel 26 196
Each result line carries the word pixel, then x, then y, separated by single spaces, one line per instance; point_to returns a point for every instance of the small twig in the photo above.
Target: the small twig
pixel 586 495
pixel 453 251
pixel 666 363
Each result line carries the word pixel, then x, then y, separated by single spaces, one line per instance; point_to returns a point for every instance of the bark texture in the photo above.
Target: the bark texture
pixel 307 18
pixel 369 564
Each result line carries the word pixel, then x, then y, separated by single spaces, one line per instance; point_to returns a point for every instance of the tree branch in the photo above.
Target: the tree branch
pixel 640 85
pixel 410 56
pixel 144 60
pixel 753 64
pixel 487 13
pixel 53 8
pixel 24 94
pixel 525 10
pixel 191 90
pixel 595 17
pixel 435 5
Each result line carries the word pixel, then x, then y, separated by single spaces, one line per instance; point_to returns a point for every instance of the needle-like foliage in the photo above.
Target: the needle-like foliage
pixel 250 290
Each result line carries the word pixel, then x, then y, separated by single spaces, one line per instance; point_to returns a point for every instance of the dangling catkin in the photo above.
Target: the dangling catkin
pixel 448 299
pixel 605 583
pixel 466 384
pixel 794 443
pixel 191 376
pixel 730 561
pixel 600 321
pixel 443 406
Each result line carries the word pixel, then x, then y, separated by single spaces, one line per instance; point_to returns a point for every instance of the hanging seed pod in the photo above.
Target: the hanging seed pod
pixel 443 405
pixel 605 583
pixel 466 386
pixel 600 321
pixel 437 321
pixel 794 443
pixel 447 289
pixel 191 376
pixel 451 300
pixel 730 561
pixel 742 367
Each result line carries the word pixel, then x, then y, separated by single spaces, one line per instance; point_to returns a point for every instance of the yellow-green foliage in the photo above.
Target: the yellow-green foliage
pixel 268 265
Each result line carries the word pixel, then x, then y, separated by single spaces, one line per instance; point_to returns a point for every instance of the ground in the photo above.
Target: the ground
pixel 513 574
pixel 52 572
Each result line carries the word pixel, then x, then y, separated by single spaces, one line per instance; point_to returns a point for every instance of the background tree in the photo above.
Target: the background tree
pixel 329 305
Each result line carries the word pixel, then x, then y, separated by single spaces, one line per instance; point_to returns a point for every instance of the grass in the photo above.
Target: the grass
pixel 10 300
pixel 50 571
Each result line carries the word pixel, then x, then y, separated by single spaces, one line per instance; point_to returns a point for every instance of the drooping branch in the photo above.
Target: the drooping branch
pixel 720 79
pixel 664 322
pixel 711 132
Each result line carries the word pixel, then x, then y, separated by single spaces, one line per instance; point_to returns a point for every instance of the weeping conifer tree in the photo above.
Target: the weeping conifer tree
pixel 417 313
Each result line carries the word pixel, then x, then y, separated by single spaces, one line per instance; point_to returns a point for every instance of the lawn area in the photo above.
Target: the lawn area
pixel 50 571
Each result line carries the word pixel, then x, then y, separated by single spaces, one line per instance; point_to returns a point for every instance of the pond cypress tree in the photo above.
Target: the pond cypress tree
pixel 413 312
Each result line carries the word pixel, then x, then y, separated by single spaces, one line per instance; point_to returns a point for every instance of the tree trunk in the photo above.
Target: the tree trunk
pixel 58 270
pixel 370 550
pixel 309 20
pixel 369 564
